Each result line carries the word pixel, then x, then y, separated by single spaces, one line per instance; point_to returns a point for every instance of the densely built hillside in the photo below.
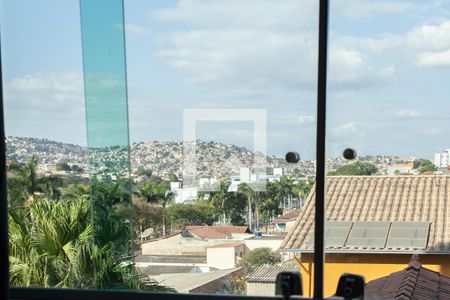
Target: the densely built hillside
pixel 213 158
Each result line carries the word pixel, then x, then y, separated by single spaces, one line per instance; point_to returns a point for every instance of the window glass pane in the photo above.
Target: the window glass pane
pixel 103 47
pixel 192 192
pixel 47 170
pixel 388 100
pixel 210 84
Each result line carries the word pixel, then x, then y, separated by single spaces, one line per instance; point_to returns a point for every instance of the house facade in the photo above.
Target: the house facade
pixel 373 226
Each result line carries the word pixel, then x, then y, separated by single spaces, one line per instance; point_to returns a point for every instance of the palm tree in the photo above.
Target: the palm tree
pixel 51 186
pixel 284 190
pixel 219 198
pixel 24 184
pixel 51 245
pixel 158 193
pixel 248 192
pixel 47 241
pixel 75 191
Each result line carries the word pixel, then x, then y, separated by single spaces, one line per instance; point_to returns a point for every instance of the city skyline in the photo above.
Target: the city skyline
pixel 389 61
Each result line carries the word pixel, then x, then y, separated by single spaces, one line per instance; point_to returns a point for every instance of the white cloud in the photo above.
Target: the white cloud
pixel 406 113
pixel 259 45
pixel 265 59
pixel 48 104
pixel 242 57
pixel 426 45
pixel 306 119
pixel 367 8
pixel 434 59
pixel 249 14
pixel 133 29
pixel 50 91
pixel 352 69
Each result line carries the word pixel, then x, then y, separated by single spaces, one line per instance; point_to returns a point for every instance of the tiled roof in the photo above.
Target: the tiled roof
pixel 414 282
pixel 164 269
pixel 216 232
pixel 181 259
pixel 208 233
pixel 286 217
pixel 380 198
pixel 226 245
pixel 289 215
pixel 268 274
pixel 187 282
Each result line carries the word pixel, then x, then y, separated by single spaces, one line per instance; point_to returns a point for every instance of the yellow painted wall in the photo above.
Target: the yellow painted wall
pixel 371 266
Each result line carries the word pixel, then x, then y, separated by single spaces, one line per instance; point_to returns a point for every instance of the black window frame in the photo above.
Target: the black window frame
pixel 25 293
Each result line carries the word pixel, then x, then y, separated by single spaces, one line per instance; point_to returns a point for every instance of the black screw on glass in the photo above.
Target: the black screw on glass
pixel 292 157
pixel 349 154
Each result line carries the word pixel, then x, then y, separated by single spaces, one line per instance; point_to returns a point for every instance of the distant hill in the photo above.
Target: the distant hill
pixel 162 158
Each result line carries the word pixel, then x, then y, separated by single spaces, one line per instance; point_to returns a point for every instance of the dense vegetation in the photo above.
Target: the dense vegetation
pixel 355 169
pixel 56 240
pixel 424 165
pixel 73 235
pixel 260 257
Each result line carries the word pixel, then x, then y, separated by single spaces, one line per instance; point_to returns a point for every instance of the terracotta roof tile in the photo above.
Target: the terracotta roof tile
pixel 216 232
pixel 268 274
pixel 414 282
pixel 227 245
pixel 380 198
pixel 289 215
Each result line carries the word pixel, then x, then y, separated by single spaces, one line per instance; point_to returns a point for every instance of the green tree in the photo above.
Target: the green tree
pixel 141 171
pixel 247 191
pixel 111 211
pixel 51 245
pixel 146 215
pixel 46 242
pixel 62 167
pixel 180 215
pixel 424 165
pixel 355 169
pixel 24 184
pixel 173 177
pixel 260 257
pixel 22 181
pixel 223 200
pixel 75 191
pixel 157 192
pixel 76 169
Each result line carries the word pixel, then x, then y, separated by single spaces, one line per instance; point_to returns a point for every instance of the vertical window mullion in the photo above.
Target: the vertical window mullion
pixel 320 152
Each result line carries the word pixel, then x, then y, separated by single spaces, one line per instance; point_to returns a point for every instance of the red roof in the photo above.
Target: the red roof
pixel 414 282
pixel 227 245
pixel 216 232
pixel 290 215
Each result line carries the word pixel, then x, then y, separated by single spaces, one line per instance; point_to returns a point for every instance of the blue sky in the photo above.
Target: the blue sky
pixel 389 68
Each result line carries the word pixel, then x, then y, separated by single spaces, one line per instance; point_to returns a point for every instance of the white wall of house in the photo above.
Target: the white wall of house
pixel 260 243
pixel 442 160
pixel 174 245
pixel 290 225
pixel 260 289
pixel 224 257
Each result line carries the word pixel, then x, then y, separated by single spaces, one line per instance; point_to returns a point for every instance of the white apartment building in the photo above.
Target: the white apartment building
pixel 245 176
pixel 183 194
pixel 442 160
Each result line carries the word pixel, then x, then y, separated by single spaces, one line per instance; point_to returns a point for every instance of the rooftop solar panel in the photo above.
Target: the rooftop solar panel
pixel 380 234
pixel 336 233
pixel 408 235
pixel 368 234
